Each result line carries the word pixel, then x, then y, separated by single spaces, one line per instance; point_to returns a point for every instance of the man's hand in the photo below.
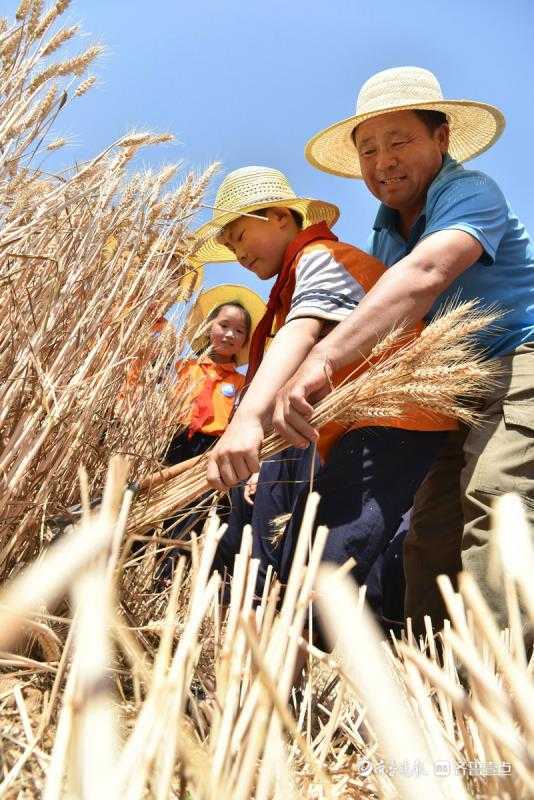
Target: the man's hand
pixel 236 455
pixel 293 409
pixel 249 490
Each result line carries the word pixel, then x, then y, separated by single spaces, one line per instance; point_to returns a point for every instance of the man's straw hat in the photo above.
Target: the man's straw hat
pixel 218 295
pixel 473 126
pixel 246 190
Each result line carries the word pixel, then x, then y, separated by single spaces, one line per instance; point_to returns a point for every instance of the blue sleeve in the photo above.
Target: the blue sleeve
pixel 472 203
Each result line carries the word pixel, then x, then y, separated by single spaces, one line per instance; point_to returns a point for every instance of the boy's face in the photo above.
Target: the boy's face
pixel 258 244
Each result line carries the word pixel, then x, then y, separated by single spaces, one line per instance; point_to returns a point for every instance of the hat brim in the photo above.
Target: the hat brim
pixel 216 296
pixel 474 127
pixel 211 251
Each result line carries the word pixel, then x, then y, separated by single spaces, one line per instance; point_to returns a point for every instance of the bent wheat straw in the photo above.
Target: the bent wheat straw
pixel 384 721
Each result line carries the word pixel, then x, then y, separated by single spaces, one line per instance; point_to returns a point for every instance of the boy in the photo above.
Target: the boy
pixel 372 468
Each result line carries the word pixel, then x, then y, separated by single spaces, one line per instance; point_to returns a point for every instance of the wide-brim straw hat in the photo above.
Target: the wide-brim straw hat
pixel 219 295
pixel 473 126
pixel 246 190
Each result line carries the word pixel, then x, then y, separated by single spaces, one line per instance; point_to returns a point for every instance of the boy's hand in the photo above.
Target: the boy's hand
pixel 236 455
pixel 293 409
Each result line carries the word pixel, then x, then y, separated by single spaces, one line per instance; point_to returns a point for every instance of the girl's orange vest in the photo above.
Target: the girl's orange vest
pixel 213 391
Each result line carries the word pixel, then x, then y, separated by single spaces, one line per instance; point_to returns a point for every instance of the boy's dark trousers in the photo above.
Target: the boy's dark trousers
pixel 280 482
pixel 366 486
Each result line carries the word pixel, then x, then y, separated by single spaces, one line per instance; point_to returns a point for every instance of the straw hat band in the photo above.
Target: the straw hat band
pixel 474 126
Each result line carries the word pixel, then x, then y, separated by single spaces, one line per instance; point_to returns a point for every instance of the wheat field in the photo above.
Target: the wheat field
pixel 109 688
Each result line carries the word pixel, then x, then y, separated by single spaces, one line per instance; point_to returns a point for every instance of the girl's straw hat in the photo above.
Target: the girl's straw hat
pixel 218 295
pixel 246 190
pixel 473 126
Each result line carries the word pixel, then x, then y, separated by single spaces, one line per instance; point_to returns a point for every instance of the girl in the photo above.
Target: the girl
pixel 227 316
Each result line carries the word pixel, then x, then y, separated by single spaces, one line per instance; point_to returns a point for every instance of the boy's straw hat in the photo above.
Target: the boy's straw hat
pixel 210 299
pixel 473 126
pixel 244 191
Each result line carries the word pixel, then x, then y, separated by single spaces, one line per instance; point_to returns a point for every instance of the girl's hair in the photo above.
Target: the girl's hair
pixel 233 304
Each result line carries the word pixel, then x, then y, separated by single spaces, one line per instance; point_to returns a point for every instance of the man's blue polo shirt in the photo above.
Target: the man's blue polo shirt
pixel 466 200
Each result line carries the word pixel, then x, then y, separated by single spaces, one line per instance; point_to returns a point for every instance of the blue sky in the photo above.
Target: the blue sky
pixel 249 83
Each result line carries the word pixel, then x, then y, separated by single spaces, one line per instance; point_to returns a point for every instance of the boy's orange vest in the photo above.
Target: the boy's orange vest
pixel 366 270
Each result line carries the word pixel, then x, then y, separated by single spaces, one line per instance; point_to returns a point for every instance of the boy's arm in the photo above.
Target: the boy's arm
pixel 236 454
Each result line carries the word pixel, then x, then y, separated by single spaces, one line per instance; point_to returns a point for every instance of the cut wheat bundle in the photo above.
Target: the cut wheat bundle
pixel 441 371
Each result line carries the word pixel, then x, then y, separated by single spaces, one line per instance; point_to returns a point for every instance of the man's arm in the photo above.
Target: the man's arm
pixel 236 454
pixel 403 295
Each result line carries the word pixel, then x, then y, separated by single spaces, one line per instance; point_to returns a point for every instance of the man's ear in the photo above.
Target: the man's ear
pixel 442 134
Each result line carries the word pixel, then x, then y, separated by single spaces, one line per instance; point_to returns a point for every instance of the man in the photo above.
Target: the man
pixel 444 232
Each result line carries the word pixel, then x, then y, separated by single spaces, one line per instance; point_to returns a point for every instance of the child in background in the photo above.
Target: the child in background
pixel 226 315
pixel 373 467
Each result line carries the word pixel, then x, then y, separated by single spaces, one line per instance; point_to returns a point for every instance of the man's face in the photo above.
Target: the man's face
pixel 260 244
pixel 399 158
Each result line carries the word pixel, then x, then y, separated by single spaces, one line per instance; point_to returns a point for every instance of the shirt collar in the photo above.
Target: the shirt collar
pixel 206 361
pixel 312 233
pixel 387 217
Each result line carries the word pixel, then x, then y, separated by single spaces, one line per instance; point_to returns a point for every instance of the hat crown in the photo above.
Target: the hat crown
pixel 249 186
pixel 399 86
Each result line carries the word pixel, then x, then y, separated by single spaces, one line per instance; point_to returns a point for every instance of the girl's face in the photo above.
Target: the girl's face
pixel 228 333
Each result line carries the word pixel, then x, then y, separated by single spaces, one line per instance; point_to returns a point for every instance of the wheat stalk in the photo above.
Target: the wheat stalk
pixel 398 712
pixel 77 315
